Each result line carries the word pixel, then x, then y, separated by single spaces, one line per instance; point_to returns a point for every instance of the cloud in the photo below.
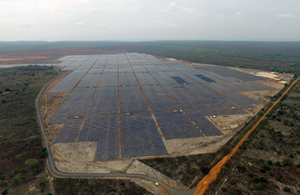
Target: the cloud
pixel 80 24
pixel 173 7
pixel 159 23
pixel 102 25
pixel 286 16
pixel 238 16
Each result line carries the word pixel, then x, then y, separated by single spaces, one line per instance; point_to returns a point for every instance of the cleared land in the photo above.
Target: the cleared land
pixel 114 96
pixel 136 105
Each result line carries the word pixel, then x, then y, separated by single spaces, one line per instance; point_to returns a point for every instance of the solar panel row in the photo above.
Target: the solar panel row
pixel 69 131
pixel 162 82
pixel 139 136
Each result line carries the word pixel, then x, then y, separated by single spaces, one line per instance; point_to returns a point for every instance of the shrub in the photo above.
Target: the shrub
pixel 278 119
pixel 228 164
pixel 16 171
pixel 15 181
pixel 232 181
pixel 251 175
pixel 205 170
pixel 262 135
pixel 279 152
pixel 4 191
pixel 279 178
pixel 291 178
pixel 2 177
pixel 224 187
pixel 286 189
pixel 292 156
pixel 287 162
pixel 32 163
pixel 241 167
pixel 238 191
pixel 4 101
pixel 49 194
pixel 43 183
pixel 22 171
pixel 278 163
pixel 298 165
pixel 20 157
pixel 286 122
pixel 269 162
pixel 43 154
pixel 24 177
pixel 258 186
pixel 10 174
pixel 274 116
pixel 255 180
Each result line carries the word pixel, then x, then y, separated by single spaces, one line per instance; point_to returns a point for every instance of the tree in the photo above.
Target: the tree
pixel 32 163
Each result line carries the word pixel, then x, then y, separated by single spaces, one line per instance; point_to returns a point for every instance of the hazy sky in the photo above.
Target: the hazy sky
pixel 55 20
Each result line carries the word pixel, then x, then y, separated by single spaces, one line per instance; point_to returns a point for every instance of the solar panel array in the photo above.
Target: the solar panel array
pixel 128 102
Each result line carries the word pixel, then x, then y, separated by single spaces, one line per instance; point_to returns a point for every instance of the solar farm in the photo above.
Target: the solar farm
pixel 134 105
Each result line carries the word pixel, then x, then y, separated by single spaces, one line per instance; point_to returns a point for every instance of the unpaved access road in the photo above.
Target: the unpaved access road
pixel 212 175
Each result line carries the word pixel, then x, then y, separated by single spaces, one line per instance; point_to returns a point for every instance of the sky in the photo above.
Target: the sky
pixel 141 20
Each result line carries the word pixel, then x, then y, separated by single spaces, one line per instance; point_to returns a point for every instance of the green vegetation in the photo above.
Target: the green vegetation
pixel 274 56
pixel 270 154
pixel 97 186
pixel 20 140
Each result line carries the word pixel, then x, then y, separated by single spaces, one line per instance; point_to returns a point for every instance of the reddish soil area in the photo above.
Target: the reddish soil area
pixel 46 56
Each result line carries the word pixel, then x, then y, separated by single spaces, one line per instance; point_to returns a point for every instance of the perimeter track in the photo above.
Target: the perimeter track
pixel 202 185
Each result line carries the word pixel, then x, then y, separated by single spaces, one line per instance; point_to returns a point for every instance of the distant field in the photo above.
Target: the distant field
pixel 274 56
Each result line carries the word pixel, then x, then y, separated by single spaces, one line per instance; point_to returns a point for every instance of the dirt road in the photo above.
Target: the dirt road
pixel 212 175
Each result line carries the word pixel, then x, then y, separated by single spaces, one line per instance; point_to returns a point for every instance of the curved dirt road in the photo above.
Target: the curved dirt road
pixel 212 175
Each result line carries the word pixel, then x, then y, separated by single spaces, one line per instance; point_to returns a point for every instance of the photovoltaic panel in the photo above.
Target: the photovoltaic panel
pixel 146 79
pixel 105 101
pixel 207 96
pixel 228 72
pixel 203 123
pixel 178 79
pixel 69 131
pixel 82 105
pixel 184 98
pixel 132 100
pixel 67 107
pixel 175 125
pixel 108 142
pixel 158 99
pixel 140 137
pixel 167 86
pixel 232 95
pixel 204 78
